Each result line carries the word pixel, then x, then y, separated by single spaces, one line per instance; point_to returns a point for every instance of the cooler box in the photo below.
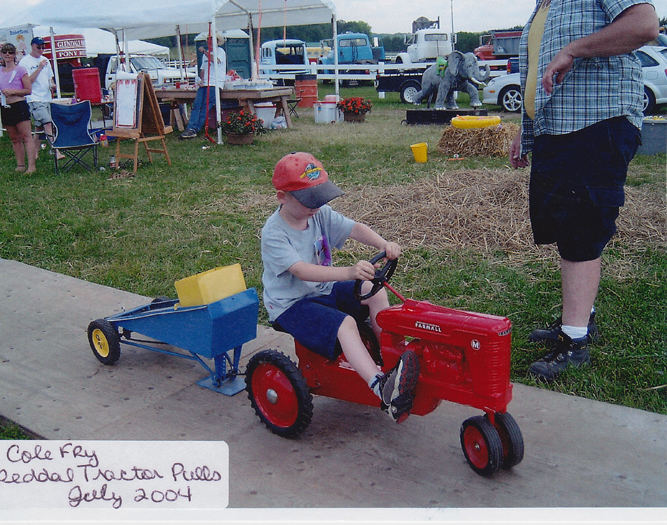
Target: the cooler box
pixel 210 286
pixel 87 84
pixel 326 113
pixel 266 111
pixel 654 136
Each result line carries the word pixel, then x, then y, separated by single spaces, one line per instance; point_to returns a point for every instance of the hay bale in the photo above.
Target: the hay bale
pixel 491 141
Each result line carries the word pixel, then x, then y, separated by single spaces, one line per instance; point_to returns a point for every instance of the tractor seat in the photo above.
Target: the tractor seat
pixel 367 336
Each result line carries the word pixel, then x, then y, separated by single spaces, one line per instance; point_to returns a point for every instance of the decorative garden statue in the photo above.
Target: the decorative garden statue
pixel 460 72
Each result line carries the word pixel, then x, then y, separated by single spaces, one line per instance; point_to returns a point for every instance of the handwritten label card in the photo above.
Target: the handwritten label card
pixel 114 474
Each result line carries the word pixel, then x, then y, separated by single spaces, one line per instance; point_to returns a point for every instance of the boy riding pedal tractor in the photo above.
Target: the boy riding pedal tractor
pixel 309 298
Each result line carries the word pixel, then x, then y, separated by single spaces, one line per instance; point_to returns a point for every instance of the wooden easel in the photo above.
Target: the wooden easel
pixel 149 125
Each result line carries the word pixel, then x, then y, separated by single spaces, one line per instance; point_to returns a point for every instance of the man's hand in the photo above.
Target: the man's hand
pixel 558 68
pixel 516 159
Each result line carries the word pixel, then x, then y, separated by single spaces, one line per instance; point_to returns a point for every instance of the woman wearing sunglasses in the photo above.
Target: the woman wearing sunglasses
pixel 14 86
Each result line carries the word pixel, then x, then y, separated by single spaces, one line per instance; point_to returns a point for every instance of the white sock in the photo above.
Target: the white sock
pixel 374 385
pixel 575 332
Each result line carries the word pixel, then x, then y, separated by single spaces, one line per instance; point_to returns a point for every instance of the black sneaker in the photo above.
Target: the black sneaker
pixel 567 352
pixel 397 385
pixel 188 134
pixel 550 334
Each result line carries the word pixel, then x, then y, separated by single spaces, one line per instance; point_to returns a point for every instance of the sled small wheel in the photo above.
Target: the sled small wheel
pixel 481 445
pixel 104 341
pixel 511 438
pixel 279 393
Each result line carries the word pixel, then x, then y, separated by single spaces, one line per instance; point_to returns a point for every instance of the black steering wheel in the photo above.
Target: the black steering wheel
pixel 382 275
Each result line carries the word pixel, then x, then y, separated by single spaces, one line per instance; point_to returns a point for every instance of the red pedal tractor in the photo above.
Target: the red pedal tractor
pixel 464 358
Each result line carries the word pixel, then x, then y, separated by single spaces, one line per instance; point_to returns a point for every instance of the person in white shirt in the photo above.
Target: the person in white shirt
pixel 41 76
pixel 206 79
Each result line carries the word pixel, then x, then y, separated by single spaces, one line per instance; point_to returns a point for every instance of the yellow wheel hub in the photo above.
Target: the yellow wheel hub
pixel 101 343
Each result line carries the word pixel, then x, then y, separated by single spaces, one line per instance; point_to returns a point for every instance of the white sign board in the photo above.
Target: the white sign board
pixel 20 37
pixel 158 475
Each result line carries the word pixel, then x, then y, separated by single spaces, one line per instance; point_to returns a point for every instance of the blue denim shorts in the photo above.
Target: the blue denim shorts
pixel 576 186
pixel 314 321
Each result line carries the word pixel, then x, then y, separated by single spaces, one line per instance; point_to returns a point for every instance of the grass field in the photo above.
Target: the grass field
pixel 141 234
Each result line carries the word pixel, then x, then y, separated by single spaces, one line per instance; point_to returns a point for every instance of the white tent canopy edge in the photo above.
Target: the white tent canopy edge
pixel 141 20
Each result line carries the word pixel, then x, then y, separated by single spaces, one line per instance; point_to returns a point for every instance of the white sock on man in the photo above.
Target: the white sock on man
pixel 575 332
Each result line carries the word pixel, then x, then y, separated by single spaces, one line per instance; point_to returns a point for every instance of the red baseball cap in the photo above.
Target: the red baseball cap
pixel 305 178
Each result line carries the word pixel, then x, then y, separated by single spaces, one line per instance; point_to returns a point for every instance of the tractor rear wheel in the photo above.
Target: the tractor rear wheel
pixel 279 393
pixel 481 445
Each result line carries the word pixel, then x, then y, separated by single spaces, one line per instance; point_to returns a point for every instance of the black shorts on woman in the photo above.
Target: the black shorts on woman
pixel 15 113
pixel 576 186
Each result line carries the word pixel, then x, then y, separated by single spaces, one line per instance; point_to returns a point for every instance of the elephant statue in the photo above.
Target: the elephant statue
pixel 461 73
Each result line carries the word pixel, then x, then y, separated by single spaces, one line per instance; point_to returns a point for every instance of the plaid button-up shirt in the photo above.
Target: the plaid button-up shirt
pixel 595 89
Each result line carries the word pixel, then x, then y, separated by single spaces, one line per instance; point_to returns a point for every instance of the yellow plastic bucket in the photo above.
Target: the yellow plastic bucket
pixel 210 286
pixel 420 151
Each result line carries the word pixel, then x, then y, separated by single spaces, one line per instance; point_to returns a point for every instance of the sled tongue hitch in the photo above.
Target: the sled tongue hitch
pixel 394 291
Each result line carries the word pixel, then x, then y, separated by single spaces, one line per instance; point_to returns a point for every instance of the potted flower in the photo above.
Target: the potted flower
pixel 240 127
pixel 354 108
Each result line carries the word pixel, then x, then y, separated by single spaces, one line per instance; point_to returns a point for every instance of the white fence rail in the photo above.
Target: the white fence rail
pixel 358 71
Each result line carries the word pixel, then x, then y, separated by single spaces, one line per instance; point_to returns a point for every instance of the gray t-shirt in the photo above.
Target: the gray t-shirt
pixel 283 246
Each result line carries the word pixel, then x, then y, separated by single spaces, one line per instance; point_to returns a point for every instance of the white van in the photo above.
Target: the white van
pixel 290 52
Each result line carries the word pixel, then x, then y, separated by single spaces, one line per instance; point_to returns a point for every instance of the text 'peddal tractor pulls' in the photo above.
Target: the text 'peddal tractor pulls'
pixel 464 358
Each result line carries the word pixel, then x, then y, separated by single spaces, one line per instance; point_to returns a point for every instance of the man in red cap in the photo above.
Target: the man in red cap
pixel 311 299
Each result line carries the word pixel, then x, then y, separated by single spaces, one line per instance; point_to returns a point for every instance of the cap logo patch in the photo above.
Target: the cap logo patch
pixel 312 172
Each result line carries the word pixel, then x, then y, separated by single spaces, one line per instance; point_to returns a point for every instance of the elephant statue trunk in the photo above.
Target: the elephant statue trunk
pixel 482 78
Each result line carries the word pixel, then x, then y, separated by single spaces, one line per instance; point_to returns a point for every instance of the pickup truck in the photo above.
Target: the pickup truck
pixel 405 82
pixel 353 48
pixel 288 52
pixel 160 74
pixel 425 45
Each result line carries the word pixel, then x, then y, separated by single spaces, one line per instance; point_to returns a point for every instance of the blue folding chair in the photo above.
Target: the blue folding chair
pixel 72 135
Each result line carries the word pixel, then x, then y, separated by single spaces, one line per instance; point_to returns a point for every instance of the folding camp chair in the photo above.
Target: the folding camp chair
pixel 72 136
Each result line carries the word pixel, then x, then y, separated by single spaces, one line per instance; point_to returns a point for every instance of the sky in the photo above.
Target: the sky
pixel 473 16
pixel 396 16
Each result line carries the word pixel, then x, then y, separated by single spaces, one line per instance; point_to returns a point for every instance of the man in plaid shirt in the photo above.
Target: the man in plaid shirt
pixel 582 119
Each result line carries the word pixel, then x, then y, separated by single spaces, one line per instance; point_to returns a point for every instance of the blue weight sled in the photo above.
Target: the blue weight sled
pixel 212 331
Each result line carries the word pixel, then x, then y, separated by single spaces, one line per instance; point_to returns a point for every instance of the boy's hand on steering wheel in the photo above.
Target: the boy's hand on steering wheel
pixel 362 270
pixel 392 250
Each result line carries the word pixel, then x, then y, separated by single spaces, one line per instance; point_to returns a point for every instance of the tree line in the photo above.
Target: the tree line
pixel 393 43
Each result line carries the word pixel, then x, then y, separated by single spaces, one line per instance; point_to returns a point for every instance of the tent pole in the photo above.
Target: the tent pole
pixel 55 61
pixel 253 70
pixel 180 52
pixel 335 48
pixel 218 109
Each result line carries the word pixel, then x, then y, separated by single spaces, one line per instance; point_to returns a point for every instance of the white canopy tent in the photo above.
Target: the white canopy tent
pixel 140 20
pixel 99 41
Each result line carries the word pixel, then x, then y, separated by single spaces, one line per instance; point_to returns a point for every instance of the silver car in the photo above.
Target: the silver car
pixel 505 90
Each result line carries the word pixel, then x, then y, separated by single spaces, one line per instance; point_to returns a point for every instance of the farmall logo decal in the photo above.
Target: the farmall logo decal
pixel 428 326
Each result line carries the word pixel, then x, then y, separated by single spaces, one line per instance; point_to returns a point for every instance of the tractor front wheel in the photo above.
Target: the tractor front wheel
pixel 481 445
pixel 511 438
pixel 104 341
pixel 279 393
